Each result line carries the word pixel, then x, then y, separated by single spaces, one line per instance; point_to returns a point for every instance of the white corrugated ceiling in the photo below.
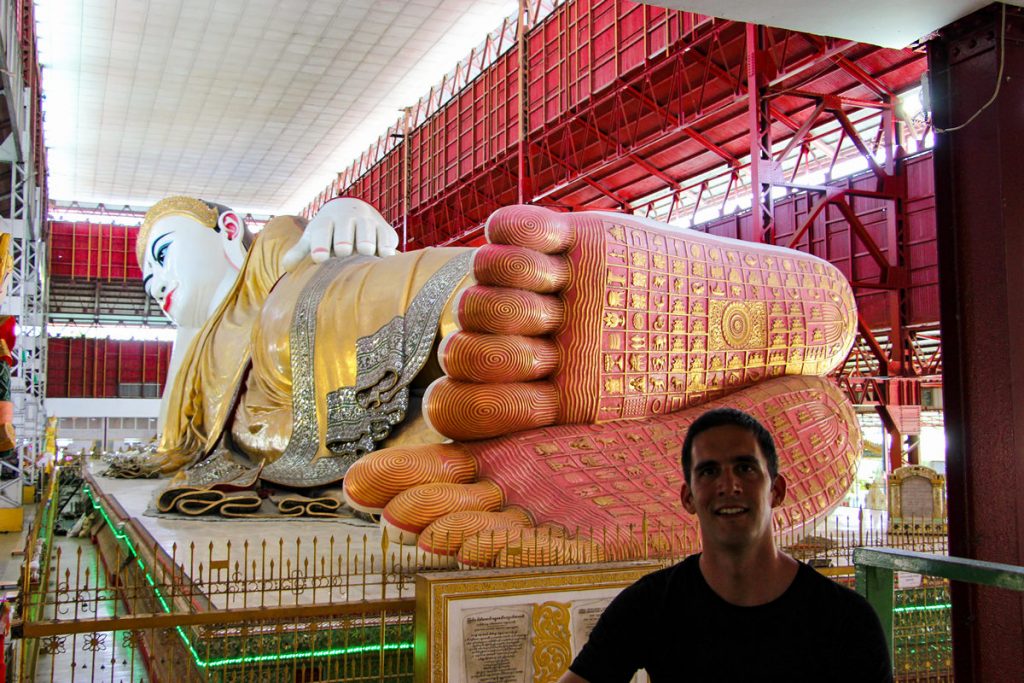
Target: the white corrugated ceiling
pixel 255 103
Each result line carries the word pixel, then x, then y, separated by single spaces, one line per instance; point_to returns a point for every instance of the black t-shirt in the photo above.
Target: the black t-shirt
pixel 673 625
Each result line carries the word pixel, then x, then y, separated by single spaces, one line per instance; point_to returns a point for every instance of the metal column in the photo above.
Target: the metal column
pixel 979 176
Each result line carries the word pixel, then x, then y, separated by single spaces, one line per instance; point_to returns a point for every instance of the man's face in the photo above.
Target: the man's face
pixel 184 264
pixel 730 489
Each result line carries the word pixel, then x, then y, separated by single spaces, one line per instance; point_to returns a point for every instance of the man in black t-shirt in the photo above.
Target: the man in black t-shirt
pixel 742 610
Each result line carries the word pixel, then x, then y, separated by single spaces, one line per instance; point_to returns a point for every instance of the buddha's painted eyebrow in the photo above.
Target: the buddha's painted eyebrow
pixel 156 243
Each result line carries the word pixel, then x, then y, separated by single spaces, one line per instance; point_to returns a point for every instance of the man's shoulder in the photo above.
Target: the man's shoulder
pixel 814 580
pixel 827 594
pixel 850 634
pixel 680 571
pixel 659 584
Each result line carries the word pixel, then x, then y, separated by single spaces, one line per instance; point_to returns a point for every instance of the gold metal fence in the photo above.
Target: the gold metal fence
pixel 922 640
pixel 830 541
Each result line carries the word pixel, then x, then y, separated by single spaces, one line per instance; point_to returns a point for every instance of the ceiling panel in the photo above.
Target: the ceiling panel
pixel 255 103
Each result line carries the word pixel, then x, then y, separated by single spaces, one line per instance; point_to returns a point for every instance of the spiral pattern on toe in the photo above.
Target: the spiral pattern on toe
pixel 480 550
pixel 380 476
pixel 477 357
pixel 449 533
pixel 467 412
pixel 412 510
pixel 534 547
pixel 512 266
pixel 533 227
pixel 508 311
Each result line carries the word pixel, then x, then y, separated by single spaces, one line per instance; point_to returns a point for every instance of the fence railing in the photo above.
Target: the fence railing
pixel 915 614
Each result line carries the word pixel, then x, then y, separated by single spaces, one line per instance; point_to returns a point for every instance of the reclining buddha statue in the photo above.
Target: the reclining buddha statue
pixel 536 388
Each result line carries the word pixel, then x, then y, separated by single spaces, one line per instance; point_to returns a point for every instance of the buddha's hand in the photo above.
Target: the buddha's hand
pixel 343 227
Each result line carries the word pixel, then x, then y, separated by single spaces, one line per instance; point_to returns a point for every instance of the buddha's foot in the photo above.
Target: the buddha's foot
pixel 577 492
pixel 582 318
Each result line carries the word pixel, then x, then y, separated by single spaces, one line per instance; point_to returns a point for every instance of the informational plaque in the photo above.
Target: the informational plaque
pixel 511 625
pixel 585 614
pixel 496 643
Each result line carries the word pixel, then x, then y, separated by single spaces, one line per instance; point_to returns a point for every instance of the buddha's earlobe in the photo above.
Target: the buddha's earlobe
pixel 231 224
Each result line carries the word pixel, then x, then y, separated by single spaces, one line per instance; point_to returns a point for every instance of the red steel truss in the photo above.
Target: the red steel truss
pixel 623 105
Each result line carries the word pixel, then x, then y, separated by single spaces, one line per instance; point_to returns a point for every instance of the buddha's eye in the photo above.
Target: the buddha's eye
pixel 161 253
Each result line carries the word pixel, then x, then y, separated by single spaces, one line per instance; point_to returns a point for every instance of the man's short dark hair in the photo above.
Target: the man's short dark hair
pixel 720 417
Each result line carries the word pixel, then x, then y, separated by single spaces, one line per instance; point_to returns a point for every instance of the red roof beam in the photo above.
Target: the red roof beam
pixel 852 102
pixel 674 121
pixel 741 87
pixel 635 158
pixel 853 69
pixel 858 143
pixel 579 175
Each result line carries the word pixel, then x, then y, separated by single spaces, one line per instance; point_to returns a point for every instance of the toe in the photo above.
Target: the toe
pixel 440 542
pixel 503 265
pixel 411 511
pixel 376 478
pixel 540 546
pixel 531 226
pixel 467 411
pixel 474 357
pixel 502 310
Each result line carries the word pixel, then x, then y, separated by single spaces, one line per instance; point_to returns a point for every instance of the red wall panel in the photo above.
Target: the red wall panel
pixel 96 368
pixel 93 251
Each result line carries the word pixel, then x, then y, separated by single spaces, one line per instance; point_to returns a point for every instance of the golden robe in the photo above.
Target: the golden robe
pixel 300 373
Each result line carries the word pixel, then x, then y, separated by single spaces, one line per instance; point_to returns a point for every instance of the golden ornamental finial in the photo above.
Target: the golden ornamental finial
pixel 173 206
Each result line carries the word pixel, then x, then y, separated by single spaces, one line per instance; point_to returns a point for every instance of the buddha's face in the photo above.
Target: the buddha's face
pixel 188 267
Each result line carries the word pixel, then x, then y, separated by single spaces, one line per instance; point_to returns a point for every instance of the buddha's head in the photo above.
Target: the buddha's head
pixel 190 252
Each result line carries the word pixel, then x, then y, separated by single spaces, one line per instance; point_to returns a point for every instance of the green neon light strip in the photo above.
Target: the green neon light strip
pixel 923 608
pixel 231 661
pixel 301 655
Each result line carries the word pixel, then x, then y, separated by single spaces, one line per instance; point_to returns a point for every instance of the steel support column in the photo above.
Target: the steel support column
pixel 26 299
pixel 524 193
pixel 28 288
pixel 762 166
pixel 978 178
